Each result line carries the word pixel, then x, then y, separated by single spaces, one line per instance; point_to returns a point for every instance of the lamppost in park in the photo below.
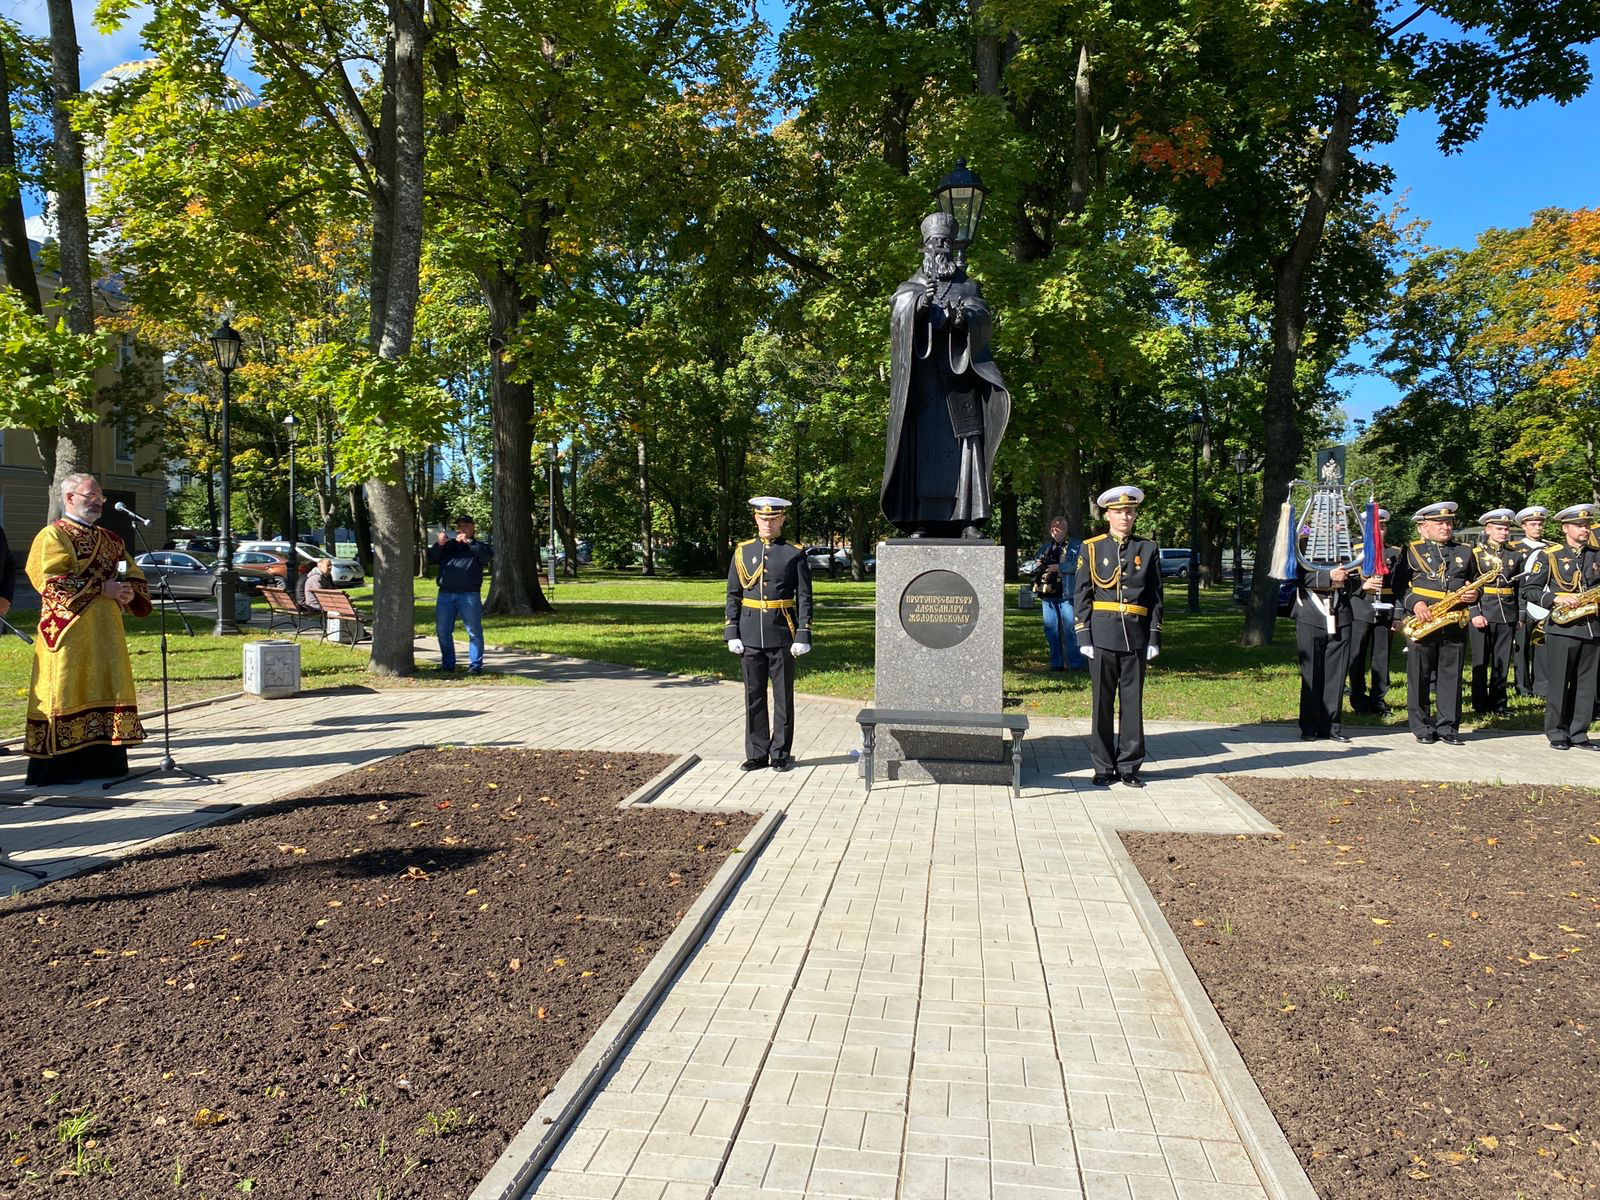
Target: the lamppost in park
pixel 1197 435
pixel 555 465
pixel 226 344
pixel 961 194
pixel 1241 464
pixel 293 426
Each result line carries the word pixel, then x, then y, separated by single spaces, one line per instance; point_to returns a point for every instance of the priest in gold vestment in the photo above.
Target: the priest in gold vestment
pixel 82 710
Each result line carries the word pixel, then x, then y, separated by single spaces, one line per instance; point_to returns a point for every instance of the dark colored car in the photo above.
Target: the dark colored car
pixel 268 568
pixel 1286 589
pixel 188 576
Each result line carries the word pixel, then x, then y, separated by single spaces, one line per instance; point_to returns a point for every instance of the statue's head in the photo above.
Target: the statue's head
pixel 938 241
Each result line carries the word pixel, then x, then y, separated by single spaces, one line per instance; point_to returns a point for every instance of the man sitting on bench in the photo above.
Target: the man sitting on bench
pixel 320 577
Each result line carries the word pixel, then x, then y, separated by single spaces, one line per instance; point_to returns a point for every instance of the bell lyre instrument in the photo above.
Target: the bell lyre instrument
pixel 1326 514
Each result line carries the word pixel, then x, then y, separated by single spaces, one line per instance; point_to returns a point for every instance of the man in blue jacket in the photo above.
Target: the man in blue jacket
pixel 460 562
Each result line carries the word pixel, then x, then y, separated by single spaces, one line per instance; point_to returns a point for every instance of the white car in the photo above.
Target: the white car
pixel 346 572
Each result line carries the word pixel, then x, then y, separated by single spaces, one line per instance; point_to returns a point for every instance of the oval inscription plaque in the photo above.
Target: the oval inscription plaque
pixel 939 609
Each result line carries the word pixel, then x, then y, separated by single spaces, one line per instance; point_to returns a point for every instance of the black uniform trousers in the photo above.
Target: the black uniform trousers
pixel 1324 663
pixel 1116 677
pixel 1529 659
pixel 1433 682
pixel 1491 661
pixel 761 739
pixel 1574 676
pixel 1369 660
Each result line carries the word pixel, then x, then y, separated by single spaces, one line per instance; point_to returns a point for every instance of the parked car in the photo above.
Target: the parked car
pixel 190 577
pixel 346 572
pixel 1175 562
pixel 268 567
pixel 1286 589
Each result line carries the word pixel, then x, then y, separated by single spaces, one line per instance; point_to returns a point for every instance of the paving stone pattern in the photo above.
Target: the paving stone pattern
pixel 940 991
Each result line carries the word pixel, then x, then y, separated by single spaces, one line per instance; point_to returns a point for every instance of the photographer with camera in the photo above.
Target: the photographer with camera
pixel 1054 579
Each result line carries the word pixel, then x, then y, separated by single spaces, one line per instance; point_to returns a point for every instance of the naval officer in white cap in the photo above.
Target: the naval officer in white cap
pixel 768 625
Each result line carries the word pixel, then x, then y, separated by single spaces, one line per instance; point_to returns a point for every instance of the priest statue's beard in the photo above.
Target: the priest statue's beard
pixel 938 264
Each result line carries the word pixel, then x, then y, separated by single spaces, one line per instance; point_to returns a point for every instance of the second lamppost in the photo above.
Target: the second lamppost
pixel 226 344
pixel 1197 435
pixel 1241 464
pixel 293 426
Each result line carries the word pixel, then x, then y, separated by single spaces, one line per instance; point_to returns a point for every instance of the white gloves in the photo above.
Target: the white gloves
pixel 735 646
pixel 1086 651
pixel 1150 653
pixel 799 648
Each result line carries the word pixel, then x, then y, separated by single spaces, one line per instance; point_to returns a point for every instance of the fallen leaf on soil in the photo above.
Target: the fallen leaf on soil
pixel 1488 1141
pixel 1555 1128
pixel 515 964
pixel 1420 1174
pixel 209 1116
pixel 286 848
pixel 49 1074
pixel 543 1014
pixel 1494 841
pixel 417 873
pixel 1451 1156
pixel 1535 956
pixel 1198 922
pixel 1381 921
pixel 97 1003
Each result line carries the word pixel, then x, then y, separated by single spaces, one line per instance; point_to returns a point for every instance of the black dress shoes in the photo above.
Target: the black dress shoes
pixel 1338 737
pixel 1427 739
pixel 1308 737
pixel 1586 745
pixel 783 764
pixel 1101 779
pixel 1131 780
pixel 752 764
pixel 1452 739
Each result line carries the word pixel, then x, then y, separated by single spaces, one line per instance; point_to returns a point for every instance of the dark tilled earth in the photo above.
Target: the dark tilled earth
pixel 364 993
pixel 1410 972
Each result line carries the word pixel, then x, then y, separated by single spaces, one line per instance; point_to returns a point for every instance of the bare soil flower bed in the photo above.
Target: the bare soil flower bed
pixel 1410 973
pixel 363 993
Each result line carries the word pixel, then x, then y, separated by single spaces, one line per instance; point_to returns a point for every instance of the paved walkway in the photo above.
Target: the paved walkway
pixel 940 991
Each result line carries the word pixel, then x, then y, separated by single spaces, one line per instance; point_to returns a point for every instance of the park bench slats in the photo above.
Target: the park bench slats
pixel 870 718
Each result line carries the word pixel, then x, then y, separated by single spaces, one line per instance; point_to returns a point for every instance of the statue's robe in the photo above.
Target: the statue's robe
pixel 948 409
pixel 82 709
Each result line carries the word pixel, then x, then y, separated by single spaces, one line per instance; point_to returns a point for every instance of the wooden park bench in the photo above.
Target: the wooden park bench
pixel 285 608
pixel 337 604
pixel 909 718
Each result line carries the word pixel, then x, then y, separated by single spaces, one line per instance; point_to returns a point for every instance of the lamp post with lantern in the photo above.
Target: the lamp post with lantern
pixel 1241 464
pixel 226 345
pixel 1197 435
pixel 961 194
pixel 293 426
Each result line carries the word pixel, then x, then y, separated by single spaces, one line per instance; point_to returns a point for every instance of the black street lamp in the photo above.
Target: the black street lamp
pixel 1241 464
pixel 293 426
pixel 1197 435
pixel 961 194
pixel 226 344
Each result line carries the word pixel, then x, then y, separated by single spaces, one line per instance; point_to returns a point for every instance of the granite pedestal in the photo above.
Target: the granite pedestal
pixel 940 647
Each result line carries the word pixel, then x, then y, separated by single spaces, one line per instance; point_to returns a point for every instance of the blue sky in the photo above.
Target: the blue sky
pixel 1542 156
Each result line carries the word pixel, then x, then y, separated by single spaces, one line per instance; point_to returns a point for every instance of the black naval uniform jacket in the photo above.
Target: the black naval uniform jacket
pixel 769 595
pixel 1117 601
pixel 1498 599
pixel 1429 571
pixel 1337 598
pixel 1560 568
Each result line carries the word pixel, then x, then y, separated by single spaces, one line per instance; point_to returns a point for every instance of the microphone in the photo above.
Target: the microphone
pixel 128 512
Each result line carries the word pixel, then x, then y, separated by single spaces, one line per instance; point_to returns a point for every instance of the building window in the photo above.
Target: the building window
pixel 125 352
pixel 125 432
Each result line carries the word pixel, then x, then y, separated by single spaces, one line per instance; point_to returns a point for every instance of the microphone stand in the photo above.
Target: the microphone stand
pixel 168 763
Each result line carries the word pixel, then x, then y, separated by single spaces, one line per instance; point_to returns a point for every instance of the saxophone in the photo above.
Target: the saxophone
pixel 1448 612
pixel 1586 606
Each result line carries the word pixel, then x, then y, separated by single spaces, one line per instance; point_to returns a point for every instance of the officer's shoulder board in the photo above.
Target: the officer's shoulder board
pixel 1099 537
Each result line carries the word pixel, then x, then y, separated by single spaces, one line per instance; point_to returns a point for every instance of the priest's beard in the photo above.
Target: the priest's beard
pixel 938 264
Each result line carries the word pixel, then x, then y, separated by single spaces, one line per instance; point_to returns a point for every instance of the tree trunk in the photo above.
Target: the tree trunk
pixel 326 496
pixel 646 543
pixel 1282 432
pixel 393 327
pixel 1009 533
pixel 15 256
pixel 514 579
pixel 1082 128
pixel 74 444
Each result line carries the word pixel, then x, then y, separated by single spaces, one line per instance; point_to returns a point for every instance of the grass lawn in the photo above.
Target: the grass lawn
pixel 675 625
pixel 201 666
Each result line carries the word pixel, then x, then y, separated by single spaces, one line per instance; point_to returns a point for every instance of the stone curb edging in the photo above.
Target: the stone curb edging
pixel 536 1142
pixel 1282 1176
pixel 661 782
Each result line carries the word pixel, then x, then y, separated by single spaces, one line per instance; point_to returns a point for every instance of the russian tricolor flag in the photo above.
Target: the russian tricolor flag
pixel 1373 561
